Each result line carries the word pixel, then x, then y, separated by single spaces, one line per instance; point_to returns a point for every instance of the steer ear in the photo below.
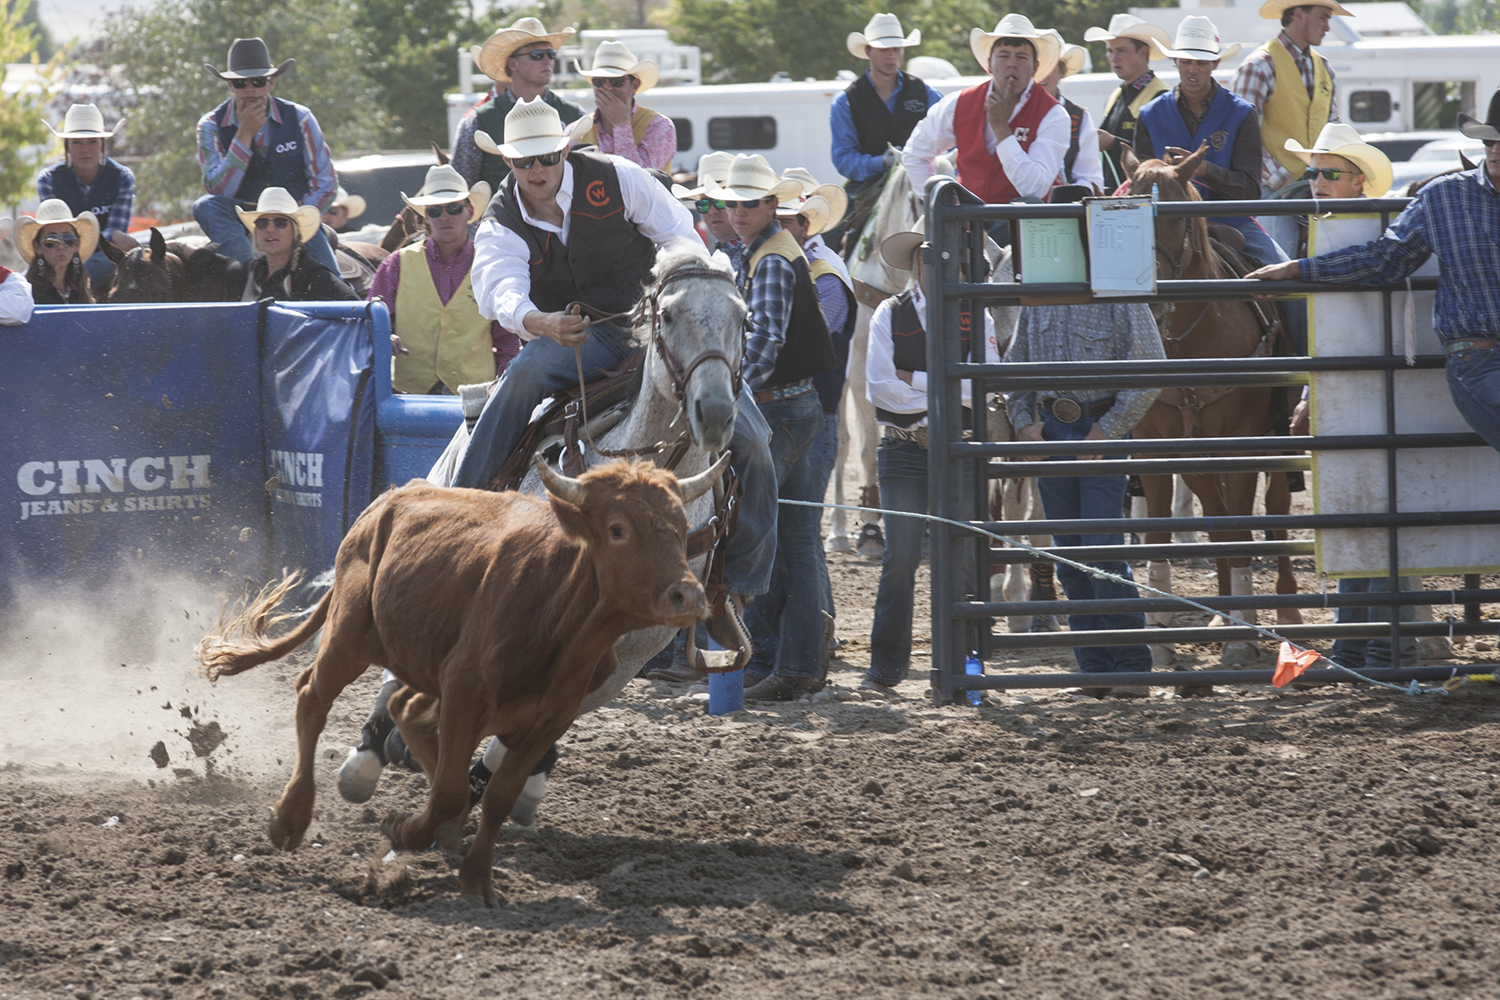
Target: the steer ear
pixel 695 486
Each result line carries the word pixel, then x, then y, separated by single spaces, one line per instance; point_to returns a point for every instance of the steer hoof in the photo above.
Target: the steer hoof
pixel 282 836
pixel 1240 654
pixel 391 827
pixel 359 775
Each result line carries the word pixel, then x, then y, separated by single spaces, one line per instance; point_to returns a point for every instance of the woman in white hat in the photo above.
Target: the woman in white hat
pixel 89 180
pixel 1082 163
pixel 55 243
pixel 345 206
pixel 280 229
pixel 875 114
pixel 619 125
pixel 15 291
pixel 520 59
pixel 1129 46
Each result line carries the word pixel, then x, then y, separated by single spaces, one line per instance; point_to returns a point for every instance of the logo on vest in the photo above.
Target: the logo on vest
pixel 1022 133
pixel 1218 140
pixel 286 147
pixel 596 195
pixel 914 105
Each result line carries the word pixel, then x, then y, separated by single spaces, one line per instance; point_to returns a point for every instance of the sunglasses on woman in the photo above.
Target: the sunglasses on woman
pixel 1330 173
pixel 611 81
pixel 453 208
pixel 546 160
pixel 254 81
pixel 266 221
pixel 705 205
pixel 55 240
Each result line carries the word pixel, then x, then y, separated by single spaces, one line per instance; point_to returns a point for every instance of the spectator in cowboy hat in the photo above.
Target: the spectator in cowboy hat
pixel 55 243
pixel 16 302
pixel 619 125
pixel 254 141
pixel 282 267
pixel 89 180
pixel 345 206
pixel 438 339
pixel 1010 133
pixel 1081 163
pixel 1341 165
pixel 1129 44
pixel 520 59
pixel 721 234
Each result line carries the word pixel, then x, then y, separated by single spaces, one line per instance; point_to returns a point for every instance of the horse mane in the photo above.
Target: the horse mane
pixel 678 254
pixel 1164 177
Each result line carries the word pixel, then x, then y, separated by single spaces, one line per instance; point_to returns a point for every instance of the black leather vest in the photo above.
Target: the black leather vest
pixel 875 123
pixel 807 349
pixel 909 342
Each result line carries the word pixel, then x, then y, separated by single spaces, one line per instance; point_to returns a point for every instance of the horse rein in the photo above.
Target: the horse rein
pixel 1178 263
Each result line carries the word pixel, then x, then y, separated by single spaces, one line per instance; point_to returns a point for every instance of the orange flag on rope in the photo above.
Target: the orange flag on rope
pixel 1291 662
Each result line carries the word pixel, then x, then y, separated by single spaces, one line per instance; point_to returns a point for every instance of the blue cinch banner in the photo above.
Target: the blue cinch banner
pixel 318 415
pixel 130 438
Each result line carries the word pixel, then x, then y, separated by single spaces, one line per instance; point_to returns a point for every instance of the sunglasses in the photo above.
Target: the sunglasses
pixel 705 205
pixel 267 221
pixel 453 208
pixel 254 81
pixel 611 81
pixel 546 160
pixel 743 204
pixel 1329 173
pixel 538 55
pixel 55 240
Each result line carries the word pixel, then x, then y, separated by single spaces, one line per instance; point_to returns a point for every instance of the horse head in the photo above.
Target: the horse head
pixel 1180 240
pixel 146 274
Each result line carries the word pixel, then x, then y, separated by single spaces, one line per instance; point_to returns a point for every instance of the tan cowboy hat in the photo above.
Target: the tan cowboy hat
pixel 713 165
pixel 897 248
pixel 838 201
pixel 1273 9
pixel 84 121
pixel 497 49
pixel 1071 57
pixel 249 58
pixel 353 202
pixel 883 32
pixel 1130 26
pixel 814 208
pixel 278 201
pixel 444 185
pixel 1197 38
pixel 614 59
pixel 750 178
pixel 532 128
pixel 1338 139
pixel 85 224
pixel 1487 130
pixel 1048 47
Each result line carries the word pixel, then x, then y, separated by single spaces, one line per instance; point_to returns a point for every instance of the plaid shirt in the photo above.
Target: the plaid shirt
pixel 222 172
pixel 467 158
pixel 1255 81
pixel 119 212
pixel 1456 217
pixel 769 297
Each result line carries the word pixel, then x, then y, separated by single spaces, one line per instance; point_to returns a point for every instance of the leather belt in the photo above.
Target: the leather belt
pixel 784 391
pixel 916 435
pixel 1454 346
pixel 1070 410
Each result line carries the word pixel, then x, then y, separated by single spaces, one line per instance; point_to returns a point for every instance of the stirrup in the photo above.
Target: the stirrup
pixel 722 661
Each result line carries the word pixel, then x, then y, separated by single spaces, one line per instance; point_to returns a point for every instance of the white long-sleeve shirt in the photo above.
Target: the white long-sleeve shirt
pixel 501 277
pixel 1031 172
pixel 888 392
pixel 16 302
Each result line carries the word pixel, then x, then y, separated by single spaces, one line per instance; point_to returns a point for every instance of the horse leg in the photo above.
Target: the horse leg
pixel 1239 500
pixel 512 776
pixel 1041 575
pixel 1007 504
pixel 1158 490
pixel 864 434
pixel 1182 506
pixel 838 528
pixel 1279 501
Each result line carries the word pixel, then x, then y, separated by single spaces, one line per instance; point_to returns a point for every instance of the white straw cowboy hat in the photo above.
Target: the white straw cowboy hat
pixel 832 194
pixel 1070 57
pixel 1197 38
pixel 532 128
pixel 278 201
pixel 1338 139
pixel 84 121
pixel 1130 26
pixel 897 248
pixel 1273 9
pixel 492 56
pixel 750 178
pixel 814 208
pixel 1048 47
pixel 249 58
pixel 713 165
pixel 86 224
pixel 353 202
pixel 444 185
pixel 883 32
pixel 614 59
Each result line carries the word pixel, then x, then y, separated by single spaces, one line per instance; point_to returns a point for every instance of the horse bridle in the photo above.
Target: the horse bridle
pixel 1178 263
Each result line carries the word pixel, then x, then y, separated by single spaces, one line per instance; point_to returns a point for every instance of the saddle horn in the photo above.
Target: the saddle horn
pixel 694 487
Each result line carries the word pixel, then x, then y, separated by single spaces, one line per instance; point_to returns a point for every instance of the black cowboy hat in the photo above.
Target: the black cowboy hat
pixel 1486 130
pixel 249 58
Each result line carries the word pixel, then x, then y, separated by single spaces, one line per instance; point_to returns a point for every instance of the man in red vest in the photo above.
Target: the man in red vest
pixel 1010 133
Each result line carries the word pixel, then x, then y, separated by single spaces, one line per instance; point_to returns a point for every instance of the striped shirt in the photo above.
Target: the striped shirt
pixel 1255 81
pixel 119 212
pixel 770 300
pixel 222 172
pixel 1456 217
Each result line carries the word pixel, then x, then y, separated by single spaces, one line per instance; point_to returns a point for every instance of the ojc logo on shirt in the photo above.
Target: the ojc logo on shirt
pixel 596 195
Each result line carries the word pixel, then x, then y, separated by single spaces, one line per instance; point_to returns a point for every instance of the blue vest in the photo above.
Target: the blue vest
pixel 1226 113
pixel 280 164
pixel 102 193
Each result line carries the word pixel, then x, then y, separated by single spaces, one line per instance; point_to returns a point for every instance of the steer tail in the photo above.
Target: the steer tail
pixel 240 643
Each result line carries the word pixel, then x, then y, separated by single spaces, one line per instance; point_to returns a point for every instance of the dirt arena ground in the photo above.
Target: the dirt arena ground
pixel 1323 844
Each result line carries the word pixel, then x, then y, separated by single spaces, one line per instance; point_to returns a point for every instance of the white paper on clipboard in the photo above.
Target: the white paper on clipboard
pixel 1122 245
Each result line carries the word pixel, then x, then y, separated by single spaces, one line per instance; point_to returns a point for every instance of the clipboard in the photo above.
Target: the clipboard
pixel 1122 246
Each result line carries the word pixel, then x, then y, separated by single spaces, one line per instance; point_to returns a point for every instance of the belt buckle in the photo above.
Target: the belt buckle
pixel 1066 410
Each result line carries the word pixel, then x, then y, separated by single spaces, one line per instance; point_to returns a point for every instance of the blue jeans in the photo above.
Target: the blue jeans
pixel 1357 653
pixel 1259 246
pixel 1474 381
pixel 791 611
pixel 1088 497
pixel 217 218
pixel 828 454
pixel 902 474
pixel 100 270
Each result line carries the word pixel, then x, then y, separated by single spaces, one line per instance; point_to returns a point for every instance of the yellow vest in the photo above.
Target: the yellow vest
pixel 1149 91
pixel 783 245
pixel 639 121
pixel 820 268
pixel 1290 113
pixel 448 343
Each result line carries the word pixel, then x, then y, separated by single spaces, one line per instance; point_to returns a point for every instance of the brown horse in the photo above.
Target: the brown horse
pixel 1207 330
pixel 144 274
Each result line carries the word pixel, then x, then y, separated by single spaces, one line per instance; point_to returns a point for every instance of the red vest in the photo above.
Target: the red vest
pixel 5 272
pixel 979 169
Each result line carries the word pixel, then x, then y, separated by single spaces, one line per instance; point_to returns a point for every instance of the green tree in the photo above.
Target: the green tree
pixel 415 43
pixel 24 140
pixel 156 54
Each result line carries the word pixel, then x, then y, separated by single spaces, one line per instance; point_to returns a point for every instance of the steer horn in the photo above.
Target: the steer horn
pixel 695 486
pixel 563 487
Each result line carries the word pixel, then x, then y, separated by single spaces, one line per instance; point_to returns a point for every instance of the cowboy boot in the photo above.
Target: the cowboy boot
pixel 1043 588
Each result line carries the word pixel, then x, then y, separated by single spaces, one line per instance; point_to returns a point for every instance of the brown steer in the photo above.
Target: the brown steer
pixel 497 610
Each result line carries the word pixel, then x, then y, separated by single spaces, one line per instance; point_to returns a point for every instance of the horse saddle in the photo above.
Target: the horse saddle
pixel 1231 255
